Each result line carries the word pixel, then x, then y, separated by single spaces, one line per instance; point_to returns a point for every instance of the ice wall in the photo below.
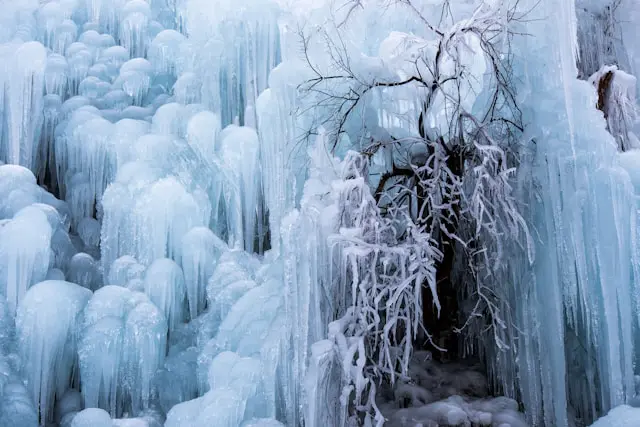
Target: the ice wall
pixel 578 305
pixel 171 130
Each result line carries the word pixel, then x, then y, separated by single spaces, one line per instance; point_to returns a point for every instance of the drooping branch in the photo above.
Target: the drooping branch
pixel 444 194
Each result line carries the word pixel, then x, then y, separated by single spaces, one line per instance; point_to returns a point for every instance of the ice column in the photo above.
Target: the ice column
pixel 575 312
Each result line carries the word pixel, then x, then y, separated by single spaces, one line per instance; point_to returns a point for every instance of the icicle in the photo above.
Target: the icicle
pixel 200 252
pixel 148 220
pixel 282 147
pixel 56 75
pixel 65 34
pixel 239 152
pixel 166 52
pixel 583 271
pixel 123 343
pixel 188 89
pixel 145 341
pixel 164 284
pixel 25 104
pixel 133 27
pixel 46 323
pixel 100 355
pixel 24 253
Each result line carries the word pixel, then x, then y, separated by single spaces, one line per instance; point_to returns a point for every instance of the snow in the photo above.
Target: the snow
pixel 448 394
pixel 621 416
pixel 92 417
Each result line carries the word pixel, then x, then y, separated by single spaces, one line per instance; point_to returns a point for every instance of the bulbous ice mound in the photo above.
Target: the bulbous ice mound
pixel 83 270
pixel 166 51
pixel 125 269
pixel 24 253
pixel 46 322
pixel 122 344
pixel 92 417
pixel 148 219
pixel 16 407
pixel 234 381
pixel 621 416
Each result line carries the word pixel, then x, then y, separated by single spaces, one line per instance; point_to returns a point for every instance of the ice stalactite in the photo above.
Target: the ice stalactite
pixel 154 226
pixel 47 327
pixel 323 383
pixel 164 284
pixel 230 279
pixel 24 104
pixel 25 251
pixel 581 205
pixel 240 46
pixel 626 15
pixel 599 36
pixel 33 235
pixel 239 151
pixel 174 133
pixel 282 143
pixel 201 250
pixel 308 273
pixel 134 27
pixel 122 344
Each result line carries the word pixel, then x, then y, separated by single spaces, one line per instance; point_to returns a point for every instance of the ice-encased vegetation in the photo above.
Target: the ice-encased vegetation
pixel 323 213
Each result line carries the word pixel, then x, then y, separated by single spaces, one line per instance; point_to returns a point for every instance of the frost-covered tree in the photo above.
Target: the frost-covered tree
pixel 431 130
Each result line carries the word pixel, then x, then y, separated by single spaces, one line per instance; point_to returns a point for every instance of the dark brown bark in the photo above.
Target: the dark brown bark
pixel 604 85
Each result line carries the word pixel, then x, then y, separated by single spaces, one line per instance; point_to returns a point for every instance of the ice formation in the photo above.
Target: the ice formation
pixel 622 416
pixel 191 234
pixel 47 336
pixel 122 344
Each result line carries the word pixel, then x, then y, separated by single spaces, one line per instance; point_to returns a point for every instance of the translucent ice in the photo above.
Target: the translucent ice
pixel 125 269
pixel 24 253
pixel 166 52
pixel 92 417
pixel 16 407
pixel 621 416
pixel 47 326
pixel 25 103
pixel 83 270
pixel 147 223
pixel 239 151
pixel 165 286
pixel 233 381
pixel 133 27
pixel 200 252
pixel 123 343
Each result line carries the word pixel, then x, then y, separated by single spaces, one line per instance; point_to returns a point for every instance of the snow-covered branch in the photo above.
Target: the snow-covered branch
pixel 437 127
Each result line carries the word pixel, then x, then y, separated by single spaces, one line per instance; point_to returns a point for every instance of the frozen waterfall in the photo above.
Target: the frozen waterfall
pixel 194 213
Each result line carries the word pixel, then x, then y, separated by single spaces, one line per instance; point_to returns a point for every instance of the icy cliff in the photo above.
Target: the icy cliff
pixel 268 213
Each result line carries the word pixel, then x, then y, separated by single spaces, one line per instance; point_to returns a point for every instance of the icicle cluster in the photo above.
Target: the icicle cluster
pixel 172 252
